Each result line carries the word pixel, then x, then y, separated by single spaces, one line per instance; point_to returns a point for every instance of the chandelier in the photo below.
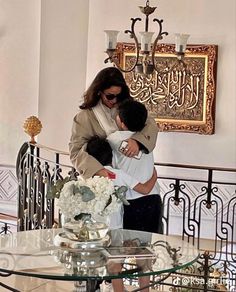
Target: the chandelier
pixel 145 52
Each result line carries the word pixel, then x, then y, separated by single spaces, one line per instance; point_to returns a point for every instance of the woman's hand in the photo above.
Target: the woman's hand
pixel 106 173
pixel 132 148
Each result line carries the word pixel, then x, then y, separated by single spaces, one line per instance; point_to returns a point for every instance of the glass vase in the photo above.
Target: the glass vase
pixel 87 228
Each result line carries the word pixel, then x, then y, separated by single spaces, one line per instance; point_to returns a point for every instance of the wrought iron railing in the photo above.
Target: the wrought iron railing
pixel 199 205
pixel 205 207
pixel 7 223
pixel 38 167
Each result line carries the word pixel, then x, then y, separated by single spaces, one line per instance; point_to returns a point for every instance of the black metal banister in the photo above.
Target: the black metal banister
pixel 200 167
pixel 188 203
pixel 196 180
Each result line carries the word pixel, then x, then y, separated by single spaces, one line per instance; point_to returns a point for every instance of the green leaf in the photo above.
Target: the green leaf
pixel 108 203
pixel 123 199
pixel 52 192
pixel 83 216
pixel 86 194
pixel 120 193
pixel 75 189
pixel 54 189
pixel 122 189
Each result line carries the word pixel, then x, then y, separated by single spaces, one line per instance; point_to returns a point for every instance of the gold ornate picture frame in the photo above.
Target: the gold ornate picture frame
pixel 181 96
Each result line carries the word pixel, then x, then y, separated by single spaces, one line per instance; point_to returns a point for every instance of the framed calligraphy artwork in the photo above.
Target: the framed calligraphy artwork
pixel 181 95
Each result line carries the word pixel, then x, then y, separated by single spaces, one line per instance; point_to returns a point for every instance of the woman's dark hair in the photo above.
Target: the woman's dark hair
pixel 100 149
pixel 106 78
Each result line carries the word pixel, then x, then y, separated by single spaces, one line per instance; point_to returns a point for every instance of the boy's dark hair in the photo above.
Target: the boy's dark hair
pixel 133 114
pixel 100 149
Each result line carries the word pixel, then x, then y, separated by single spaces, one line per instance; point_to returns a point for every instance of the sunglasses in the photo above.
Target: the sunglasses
pixel 110 96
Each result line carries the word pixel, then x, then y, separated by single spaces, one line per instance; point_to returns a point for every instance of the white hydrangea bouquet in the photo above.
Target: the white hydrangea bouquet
pixel 93 196
pixel 82 201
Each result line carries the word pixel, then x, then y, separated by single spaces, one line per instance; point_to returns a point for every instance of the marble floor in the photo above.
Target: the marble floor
pixel 28 284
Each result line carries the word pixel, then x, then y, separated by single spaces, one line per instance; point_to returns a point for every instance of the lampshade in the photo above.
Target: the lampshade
pixel 146 40
pixel 181 42
pixel 111 39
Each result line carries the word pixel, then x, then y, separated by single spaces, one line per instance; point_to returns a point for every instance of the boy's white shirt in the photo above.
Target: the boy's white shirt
pixel 141 169
pixel 121 179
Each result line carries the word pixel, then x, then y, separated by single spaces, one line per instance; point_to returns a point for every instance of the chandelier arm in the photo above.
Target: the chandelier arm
pixel 131 31
pixel 114 60
pixel 108 59
pixel 132 35
pixel 159 37
pixel 112 57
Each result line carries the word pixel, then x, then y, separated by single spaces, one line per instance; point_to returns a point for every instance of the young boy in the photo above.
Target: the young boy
pixel 145 211
pixel 100 149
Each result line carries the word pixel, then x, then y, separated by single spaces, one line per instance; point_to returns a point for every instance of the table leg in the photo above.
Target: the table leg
pixel 91 285
pixel 85 286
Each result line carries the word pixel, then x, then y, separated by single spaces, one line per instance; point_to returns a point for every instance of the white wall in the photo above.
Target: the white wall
pixel 43 54
pixel 208 22
pixel 64 30
pixel 19 72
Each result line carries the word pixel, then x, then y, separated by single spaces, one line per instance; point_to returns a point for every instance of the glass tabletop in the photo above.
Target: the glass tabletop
pixel 130 253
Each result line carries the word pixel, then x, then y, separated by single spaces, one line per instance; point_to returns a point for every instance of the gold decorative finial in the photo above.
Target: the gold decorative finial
pixel 147 10
pixel 32 126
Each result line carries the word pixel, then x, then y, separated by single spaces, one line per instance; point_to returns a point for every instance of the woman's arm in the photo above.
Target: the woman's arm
pixel 84 127
pixel 148 136
pixel 144 140
pixel 145 188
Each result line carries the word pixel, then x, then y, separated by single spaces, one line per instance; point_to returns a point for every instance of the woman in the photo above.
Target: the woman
pixel 97 117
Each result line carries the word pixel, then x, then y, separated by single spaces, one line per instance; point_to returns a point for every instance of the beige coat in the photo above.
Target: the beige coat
pixel 85 125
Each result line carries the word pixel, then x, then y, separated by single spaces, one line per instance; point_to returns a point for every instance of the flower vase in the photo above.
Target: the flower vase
pixel 63 220
pixel 87 228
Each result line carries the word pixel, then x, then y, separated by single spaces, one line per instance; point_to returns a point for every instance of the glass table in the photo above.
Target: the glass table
pixel 130 254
